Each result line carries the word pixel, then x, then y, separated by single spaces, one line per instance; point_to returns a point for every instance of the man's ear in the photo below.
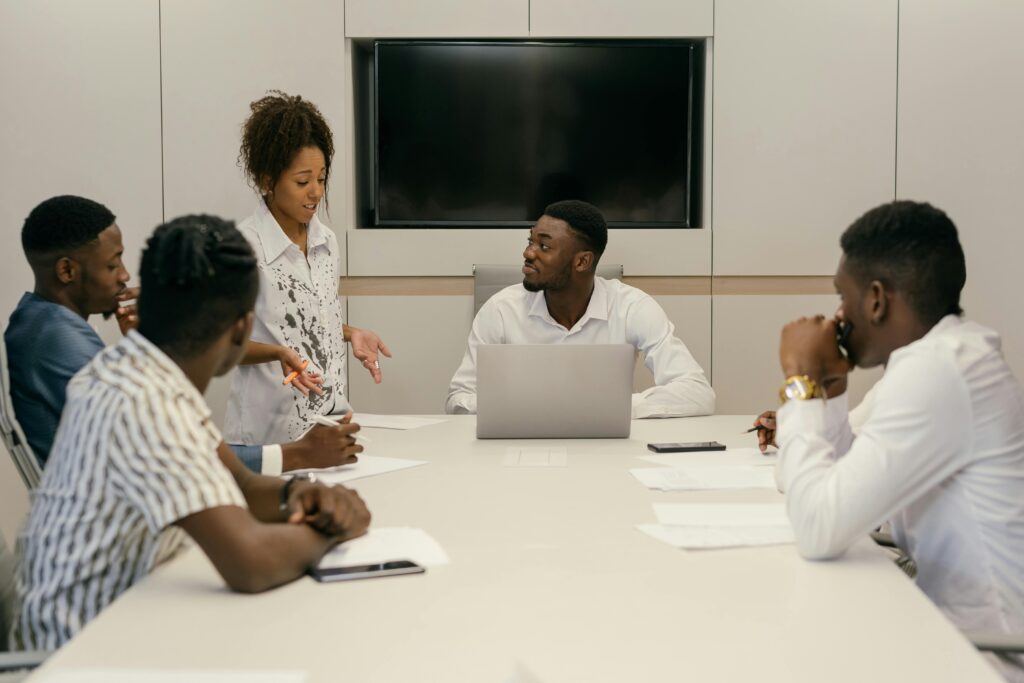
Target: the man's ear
pixel 877 301
pixel 584 260
pixel 67 270
pixel 242 328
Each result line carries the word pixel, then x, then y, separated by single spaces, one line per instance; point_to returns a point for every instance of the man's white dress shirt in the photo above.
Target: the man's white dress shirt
pixel 616 314
pixel 940 456
pixel 298 306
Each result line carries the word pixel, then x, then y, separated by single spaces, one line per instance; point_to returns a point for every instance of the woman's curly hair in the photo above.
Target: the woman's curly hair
pixel 279 127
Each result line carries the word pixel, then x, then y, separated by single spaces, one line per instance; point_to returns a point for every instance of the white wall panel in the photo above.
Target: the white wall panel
pixel 961 146
pixel 746 334
pixel 405 252
pixel 220 56
pixel 427 336
pixel 616 18
pixel 81 115
pixel 436 19
pixel 804 129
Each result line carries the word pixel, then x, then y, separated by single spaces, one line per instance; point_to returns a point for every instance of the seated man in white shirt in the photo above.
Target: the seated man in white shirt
pixel 562 301
pixel 940 454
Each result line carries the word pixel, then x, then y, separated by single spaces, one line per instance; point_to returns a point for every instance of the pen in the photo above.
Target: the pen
pixel 328 422
pixel 294 373
pixel 755 429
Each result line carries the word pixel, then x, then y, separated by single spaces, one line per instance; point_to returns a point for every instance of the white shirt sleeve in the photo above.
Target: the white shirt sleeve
pixel 273 460
pixel 681 389
pixel 916 436
pixel 486 329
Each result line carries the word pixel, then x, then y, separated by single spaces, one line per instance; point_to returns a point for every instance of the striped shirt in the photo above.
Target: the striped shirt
pixel 135 452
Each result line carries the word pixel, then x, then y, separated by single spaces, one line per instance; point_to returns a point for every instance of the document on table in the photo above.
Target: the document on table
pixel 385 545
pixel 532 456
pixel 394 421
pixel 176 676
pixel 368 466
pixel 720 525
pixel 733 457
pixel 705 478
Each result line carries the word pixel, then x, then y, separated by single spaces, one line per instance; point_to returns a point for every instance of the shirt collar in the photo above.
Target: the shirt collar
pixel 141 348
pixel 597 309
pixel 275 242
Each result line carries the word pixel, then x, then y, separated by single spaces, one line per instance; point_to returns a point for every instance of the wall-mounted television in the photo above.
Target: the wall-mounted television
pixel 487 133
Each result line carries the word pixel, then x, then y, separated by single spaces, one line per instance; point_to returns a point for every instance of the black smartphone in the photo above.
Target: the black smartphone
pixel 366 571
pixel 843 329
pixel 686 447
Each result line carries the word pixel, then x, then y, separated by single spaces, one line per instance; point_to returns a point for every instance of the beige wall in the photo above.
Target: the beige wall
pixel 816 111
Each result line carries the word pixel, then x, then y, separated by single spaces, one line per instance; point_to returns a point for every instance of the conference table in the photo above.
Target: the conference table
pixel 549 582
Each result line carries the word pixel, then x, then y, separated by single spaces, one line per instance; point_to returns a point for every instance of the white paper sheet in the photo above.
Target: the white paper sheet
pixel 175 676
pixel 697 538
pixel 516 456
pixel 705 478
pixel 394 421
pixel 733 515
pixel 368 466
pixel 386 545
pixel 732 457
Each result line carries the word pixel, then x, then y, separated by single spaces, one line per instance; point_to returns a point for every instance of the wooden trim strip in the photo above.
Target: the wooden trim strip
pixel 655 286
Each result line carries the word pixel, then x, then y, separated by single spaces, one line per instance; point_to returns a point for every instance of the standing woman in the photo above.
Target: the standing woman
pixel 299 330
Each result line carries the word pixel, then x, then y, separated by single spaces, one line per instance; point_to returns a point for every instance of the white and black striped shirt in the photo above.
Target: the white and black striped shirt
pixel 135 452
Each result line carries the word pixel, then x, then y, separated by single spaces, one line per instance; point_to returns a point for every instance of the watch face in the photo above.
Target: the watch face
pixel 798 389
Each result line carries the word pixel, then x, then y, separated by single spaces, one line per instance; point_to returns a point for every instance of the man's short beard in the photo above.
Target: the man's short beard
pixel 531 286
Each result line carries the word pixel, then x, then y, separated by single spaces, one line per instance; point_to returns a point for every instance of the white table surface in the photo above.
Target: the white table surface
pixel 548 576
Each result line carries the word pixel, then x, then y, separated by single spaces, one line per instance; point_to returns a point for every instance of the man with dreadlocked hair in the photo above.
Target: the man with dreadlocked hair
pixel 286 153
pixel 138 463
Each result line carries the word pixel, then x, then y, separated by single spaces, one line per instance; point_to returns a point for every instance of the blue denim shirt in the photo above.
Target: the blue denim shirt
pixel 47 344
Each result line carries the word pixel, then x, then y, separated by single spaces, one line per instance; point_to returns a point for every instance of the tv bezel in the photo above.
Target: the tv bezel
pixel 694 116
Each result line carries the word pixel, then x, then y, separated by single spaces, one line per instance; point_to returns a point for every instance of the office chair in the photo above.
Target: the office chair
pixel 998 643
pixel 12 664
pixel 14 438
pixel 489 279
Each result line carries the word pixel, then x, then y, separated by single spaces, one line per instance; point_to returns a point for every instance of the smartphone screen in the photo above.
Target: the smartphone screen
pixel 367 571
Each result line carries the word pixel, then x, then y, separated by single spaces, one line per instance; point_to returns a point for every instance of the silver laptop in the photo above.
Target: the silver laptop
pixel 554 391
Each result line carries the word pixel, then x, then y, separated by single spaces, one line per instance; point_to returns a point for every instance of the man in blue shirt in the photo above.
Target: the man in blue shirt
pixel 74 248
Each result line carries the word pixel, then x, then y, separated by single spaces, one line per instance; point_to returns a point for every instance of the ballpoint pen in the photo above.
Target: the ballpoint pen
pixel 328 422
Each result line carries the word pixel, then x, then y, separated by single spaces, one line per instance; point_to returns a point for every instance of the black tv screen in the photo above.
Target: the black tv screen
pixel 489 133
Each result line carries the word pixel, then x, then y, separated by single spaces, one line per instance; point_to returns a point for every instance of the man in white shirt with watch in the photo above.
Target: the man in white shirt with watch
pixel 941 454
pixel 562 301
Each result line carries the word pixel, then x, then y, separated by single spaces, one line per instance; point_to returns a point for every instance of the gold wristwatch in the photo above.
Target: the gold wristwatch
pixel 800 388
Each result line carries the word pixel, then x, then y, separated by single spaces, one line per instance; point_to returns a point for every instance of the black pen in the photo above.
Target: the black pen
pixel 754 429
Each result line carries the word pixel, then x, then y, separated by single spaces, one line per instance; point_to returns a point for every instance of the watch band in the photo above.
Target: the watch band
pixel 286 490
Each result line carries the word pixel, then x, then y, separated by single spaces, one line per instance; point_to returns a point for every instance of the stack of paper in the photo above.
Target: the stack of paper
pixel 175 676
pixel 732 457
pixel 368 466
pixel 394 421
pixel 386 545
pixel 705 478
pixel 702 525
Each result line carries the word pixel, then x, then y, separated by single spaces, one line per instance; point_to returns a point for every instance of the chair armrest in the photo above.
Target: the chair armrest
pixel 883 539
pixel 988 641
pixel 16 661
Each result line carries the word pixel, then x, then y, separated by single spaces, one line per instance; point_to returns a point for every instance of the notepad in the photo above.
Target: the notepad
pixel 704 478
pixel 385 545
pixel 368 466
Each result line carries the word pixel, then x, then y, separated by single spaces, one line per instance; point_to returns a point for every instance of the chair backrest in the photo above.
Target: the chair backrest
pixel 6 591
pixel 489 279
pixel 14 438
